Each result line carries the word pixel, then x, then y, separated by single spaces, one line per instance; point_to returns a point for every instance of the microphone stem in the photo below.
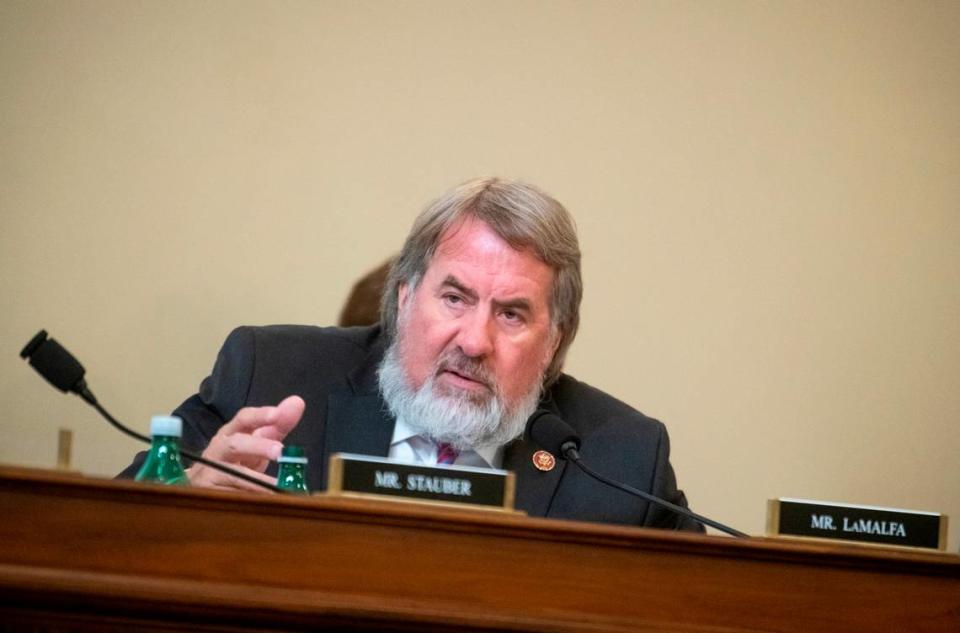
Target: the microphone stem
pixel 574 456
pixel 88 396
pixel 113 421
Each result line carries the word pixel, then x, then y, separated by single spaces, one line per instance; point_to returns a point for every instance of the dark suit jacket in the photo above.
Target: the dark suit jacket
pixel 335 371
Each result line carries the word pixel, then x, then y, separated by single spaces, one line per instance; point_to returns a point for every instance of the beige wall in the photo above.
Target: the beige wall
pixel 767 195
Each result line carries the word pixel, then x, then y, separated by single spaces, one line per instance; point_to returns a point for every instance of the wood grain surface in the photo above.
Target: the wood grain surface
pixel 101 555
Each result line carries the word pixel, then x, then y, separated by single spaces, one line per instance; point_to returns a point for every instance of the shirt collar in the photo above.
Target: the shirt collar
pixel 402 432
pixel 492 455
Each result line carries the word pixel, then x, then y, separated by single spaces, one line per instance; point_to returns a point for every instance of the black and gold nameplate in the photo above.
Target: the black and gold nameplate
pixel 865 524
pixel 362 475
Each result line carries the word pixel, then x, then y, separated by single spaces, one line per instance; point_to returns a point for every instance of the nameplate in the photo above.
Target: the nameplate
pixel 864 524
pixel 365 476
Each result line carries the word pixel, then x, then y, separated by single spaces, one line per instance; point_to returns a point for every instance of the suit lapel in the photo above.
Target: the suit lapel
pixel 357 417
pixel 535 488
pixel 356 424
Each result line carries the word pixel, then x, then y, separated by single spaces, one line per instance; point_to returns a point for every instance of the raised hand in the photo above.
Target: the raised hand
pixel 248 442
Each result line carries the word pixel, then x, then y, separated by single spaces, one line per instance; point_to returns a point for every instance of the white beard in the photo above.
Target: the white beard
pixel 465 420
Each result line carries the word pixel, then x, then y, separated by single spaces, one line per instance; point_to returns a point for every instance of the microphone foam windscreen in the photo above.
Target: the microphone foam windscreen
pixel 57 365
pixel 549 432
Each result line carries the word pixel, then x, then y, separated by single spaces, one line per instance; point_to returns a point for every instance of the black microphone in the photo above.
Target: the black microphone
pixel 63 371
pixel 549 432
pixel 54 363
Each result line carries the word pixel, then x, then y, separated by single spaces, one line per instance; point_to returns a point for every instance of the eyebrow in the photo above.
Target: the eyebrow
pixel 457 285
pixel 520 303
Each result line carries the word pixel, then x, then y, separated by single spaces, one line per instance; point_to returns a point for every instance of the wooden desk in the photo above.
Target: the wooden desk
pixel 88 554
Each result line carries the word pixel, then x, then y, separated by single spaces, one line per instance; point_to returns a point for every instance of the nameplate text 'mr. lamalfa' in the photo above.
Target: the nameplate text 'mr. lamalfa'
pixel 366 476
pixel 864 524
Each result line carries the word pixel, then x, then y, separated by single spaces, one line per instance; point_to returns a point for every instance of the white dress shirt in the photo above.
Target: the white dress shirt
pixel 409 446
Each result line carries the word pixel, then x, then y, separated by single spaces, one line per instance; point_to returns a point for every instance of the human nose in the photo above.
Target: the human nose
pixel 475 337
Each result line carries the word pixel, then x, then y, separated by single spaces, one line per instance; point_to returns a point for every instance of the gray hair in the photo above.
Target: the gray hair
pixel 524 217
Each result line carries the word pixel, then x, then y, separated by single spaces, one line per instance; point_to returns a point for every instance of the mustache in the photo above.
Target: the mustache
pixel 472 368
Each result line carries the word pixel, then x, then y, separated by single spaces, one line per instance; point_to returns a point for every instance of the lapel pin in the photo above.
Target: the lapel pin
pixel 544 461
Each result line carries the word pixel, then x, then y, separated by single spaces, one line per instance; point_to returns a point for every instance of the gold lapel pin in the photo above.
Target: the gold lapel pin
pixel 544 461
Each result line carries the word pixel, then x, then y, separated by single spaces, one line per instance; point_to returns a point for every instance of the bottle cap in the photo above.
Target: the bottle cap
pixel 292 454
pixel 166 425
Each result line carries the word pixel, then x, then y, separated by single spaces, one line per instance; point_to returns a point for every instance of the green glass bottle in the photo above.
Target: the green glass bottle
pixel 163 463
pixel 292 474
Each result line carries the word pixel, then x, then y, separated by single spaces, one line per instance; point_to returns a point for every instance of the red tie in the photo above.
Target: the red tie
pixel 446 454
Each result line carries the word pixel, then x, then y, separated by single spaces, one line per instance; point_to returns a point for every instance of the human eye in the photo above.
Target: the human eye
pixel 452 299
pixel 512 317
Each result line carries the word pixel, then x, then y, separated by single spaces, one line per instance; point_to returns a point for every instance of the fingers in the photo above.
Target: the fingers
pixel 282 418
pixel 204 476
pixel 250 441
pixel 249 419
pixel 241 448
pixel 286 417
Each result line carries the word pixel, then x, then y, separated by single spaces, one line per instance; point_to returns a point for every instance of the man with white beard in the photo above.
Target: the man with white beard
pixel 476 319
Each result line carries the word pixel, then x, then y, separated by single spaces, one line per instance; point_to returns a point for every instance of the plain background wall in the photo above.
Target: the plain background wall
pixel 767 195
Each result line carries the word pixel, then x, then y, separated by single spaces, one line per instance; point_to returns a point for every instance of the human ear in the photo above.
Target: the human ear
pixel 557 335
